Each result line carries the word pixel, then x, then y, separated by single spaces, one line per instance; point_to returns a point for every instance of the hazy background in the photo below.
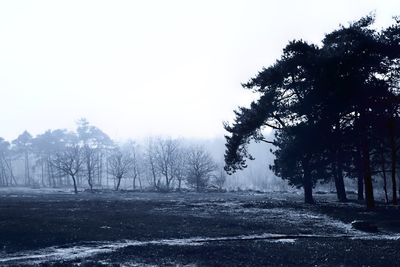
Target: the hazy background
pixel 139 68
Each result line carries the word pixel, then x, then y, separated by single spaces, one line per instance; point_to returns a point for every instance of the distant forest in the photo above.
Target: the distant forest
pixel 89 158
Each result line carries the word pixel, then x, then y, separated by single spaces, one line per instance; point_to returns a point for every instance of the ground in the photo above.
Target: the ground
pixel 51 228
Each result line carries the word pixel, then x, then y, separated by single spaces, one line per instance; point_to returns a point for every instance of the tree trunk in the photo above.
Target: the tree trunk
pixel 90 171
pixel 338 153
pixel 339 180
pixel 140 183
pixel 383 170
pixel 307 183
pixel 50 175
pixel 153 173
pixel 107 173
pixel 118 183
pixel 155 181
pixel 12 177
pixel 90 181
pixel 27 178
pixel 385 183
pixel 340 189
pixel 369 191
pixel 393 160
pixel 42 173
pixel 398 178
pixel 167 180
pixel 360 174
pixel 360 186
pixel 100 170
pixel 75 187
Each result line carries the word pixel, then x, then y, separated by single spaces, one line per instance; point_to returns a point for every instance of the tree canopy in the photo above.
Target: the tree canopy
pixel 330 107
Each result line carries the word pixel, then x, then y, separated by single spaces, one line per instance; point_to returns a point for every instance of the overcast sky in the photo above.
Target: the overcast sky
pixel 137 68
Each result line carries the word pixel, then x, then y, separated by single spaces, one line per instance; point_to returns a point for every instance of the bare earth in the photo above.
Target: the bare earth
pixel 51 228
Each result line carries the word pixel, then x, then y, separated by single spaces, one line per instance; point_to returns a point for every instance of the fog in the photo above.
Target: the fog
pixel 257 175
pixel 145 68
pixel 139 69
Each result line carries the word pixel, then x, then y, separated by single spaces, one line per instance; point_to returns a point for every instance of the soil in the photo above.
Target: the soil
pixel 189 229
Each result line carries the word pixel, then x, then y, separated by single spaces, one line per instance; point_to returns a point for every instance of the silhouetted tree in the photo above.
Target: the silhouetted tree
pixel 285 104
pixel 340 91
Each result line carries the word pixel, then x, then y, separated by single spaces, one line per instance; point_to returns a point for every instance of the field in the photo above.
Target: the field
pixel 50 228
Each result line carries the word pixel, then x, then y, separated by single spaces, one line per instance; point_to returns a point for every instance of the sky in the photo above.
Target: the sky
pixel 140 68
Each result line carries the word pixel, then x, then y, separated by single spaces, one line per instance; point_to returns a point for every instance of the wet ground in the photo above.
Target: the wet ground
pixel 50 228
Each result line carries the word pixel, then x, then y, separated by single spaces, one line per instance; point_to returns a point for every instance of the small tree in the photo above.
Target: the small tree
pixel 167 159
pixel 219 179
pixel 69 162
pixel 120 164
pixel 136 170
pixel 150 160
pixel 200 167
pixel 91 162
pixel 180 167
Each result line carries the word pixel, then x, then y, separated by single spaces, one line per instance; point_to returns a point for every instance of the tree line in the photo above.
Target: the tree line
pixel 334 109
pixel 89 158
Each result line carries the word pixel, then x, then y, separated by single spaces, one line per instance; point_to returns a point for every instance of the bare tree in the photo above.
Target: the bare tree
pixel 91 163
pixel 200 167
pixel 69 162
pixel 150 156
pixel 219 178
pixel 167 159
pixel 120 165
pixel 136 169
pixel 180 167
